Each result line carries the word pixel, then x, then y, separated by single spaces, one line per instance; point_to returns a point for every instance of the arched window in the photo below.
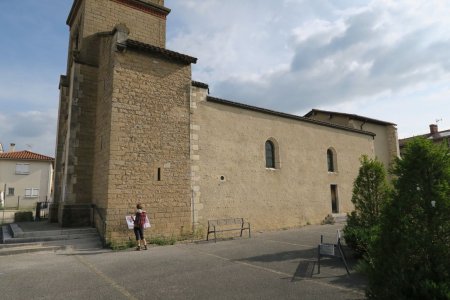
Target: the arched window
pixel 270 155
pixel 331 160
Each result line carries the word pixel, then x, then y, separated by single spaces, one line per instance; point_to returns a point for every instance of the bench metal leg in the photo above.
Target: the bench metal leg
pixel 318 259
pixel 215 238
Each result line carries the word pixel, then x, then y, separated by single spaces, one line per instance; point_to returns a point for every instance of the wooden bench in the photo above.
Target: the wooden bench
pixel 223 225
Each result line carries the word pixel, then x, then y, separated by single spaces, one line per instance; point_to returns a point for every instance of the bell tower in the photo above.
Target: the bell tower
pixel 123 125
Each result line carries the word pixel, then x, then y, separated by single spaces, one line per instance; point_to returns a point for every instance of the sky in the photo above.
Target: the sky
pixel 387 60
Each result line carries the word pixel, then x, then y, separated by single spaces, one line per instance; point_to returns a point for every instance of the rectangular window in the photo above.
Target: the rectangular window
pixel 10 191
pixel 31 193
pixel 22 169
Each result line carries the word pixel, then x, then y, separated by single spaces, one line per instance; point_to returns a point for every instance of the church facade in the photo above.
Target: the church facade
pixel 133 127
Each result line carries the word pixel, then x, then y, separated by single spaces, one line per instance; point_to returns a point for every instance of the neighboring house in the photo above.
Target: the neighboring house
pixel 385 140
pixel 27 177
pixel 438 137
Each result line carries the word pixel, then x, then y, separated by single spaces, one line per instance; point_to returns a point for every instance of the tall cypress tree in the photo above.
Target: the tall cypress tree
pixel 411 256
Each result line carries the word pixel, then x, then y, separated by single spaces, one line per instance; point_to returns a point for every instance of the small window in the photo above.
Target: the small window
pixel 270 155
pixel 331 159
pixel 158 174
pixel 22 169
pixel 31 193
pixel 10 191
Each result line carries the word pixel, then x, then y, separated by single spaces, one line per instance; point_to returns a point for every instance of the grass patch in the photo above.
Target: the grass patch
pixel 162 241
pixel 121 246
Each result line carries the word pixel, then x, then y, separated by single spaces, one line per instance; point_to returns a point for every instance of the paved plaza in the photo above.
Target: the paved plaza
pixel 270 265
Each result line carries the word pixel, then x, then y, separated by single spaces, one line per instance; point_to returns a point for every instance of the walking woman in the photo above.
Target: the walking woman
pixel 139 221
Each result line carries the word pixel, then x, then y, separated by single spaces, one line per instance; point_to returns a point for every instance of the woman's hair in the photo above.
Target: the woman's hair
pixel 139 206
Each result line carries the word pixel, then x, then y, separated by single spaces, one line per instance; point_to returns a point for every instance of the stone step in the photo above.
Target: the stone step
pixel 63 232
pixel 50 238
pixel 13 249
pixel 340 218
pixel 17 241
pixel 17 232
pixel 79 244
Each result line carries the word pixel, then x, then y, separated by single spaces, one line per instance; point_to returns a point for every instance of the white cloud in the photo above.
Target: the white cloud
pixel 336 54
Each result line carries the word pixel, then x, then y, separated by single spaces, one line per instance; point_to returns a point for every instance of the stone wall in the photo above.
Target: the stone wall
pixel 231 180
pixel 103 15
pixel 149 144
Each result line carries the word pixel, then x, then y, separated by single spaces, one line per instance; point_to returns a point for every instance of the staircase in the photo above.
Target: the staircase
pixel 29 237
pixel 340 217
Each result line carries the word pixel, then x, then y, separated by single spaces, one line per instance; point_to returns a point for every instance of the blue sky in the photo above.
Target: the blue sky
pixel 388 60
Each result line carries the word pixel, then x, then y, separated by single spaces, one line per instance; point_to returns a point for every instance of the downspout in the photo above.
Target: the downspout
pixel 363 123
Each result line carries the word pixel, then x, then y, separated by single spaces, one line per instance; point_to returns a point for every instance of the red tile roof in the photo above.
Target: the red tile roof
pixel 25 155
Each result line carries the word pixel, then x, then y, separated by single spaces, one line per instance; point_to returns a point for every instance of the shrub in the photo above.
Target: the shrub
pixel 411 256
pixel 370 194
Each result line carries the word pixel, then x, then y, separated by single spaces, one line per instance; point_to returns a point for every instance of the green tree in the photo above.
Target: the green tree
pixel 411 256
pixel 370 193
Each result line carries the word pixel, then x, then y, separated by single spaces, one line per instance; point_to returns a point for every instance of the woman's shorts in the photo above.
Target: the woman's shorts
pixel 139 232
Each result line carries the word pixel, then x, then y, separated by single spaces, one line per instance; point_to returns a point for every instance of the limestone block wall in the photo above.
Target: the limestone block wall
pixel 61 132
pixel 103 15
pixel 101 172
pixel 78 146
pixel 149 144
pixel 197 95
pixel 85 149
pixel 232 180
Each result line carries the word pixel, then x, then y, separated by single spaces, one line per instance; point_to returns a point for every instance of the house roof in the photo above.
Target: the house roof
pixel 285 115
pixel 440 135
pixel 351 116
pixel 25 155
pixel 133 44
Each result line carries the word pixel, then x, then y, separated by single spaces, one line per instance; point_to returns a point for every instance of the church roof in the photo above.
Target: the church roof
pixel 199 84
pixel 351 116
pixel 162 51
pixel 25 155
pixel 285 115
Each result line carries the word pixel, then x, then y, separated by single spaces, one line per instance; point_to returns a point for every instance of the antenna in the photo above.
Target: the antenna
pixel 438 120
pixel 29 146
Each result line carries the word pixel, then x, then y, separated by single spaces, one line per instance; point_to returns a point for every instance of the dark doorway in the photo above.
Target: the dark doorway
pixel 334 199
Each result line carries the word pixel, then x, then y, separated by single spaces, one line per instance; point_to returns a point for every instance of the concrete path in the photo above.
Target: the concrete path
pixel 271 265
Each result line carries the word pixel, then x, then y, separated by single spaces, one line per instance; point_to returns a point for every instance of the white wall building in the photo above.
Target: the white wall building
pixel 25 178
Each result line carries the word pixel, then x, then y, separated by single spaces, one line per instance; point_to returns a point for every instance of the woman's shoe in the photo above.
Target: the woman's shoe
pixel 145 247
pixel 138 248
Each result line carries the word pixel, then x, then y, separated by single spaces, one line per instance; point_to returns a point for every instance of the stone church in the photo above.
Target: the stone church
pixel 134 127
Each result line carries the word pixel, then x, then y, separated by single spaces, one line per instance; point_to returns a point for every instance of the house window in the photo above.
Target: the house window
pixel 22 169
pixel 270 155
pixel 31 193
pixel 331 160
pixel 10 191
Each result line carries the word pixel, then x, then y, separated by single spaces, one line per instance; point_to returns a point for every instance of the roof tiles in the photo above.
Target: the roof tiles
pixel 25 155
